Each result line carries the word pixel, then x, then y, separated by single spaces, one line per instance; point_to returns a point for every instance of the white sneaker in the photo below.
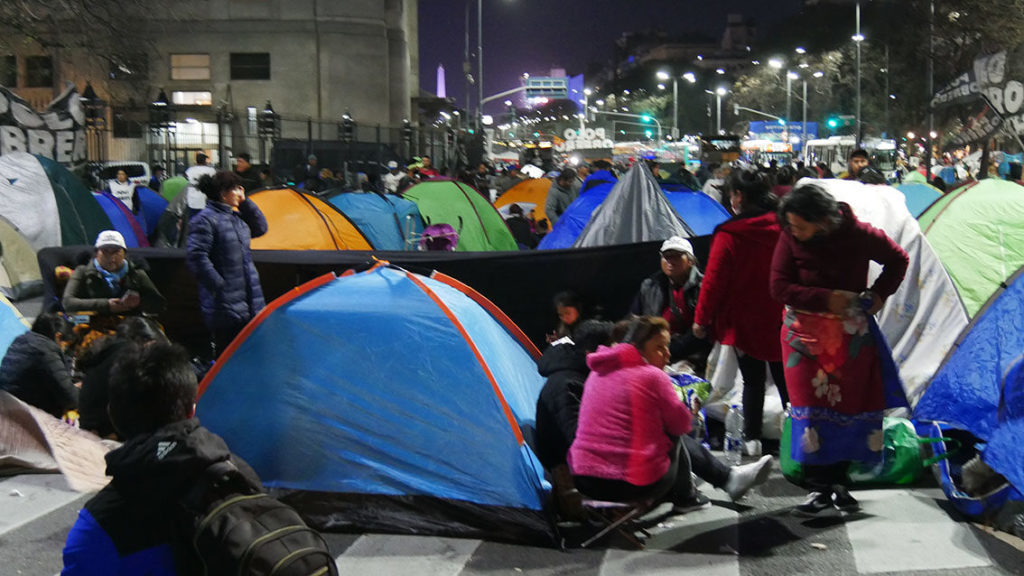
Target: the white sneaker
pixel 752 448
pixel 743 478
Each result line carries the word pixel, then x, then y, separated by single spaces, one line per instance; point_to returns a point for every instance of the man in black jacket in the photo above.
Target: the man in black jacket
pixel 35 370
pixel 128 528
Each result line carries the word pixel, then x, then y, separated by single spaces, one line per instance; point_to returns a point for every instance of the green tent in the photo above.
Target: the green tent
pixel 977 233
pixel 915 176
pixel 928 216
pixel 81 217
pixel 171 187
pixel 480 226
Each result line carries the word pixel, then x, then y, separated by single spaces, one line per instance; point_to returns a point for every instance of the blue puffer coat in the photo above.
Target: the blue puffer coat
pixel 219 257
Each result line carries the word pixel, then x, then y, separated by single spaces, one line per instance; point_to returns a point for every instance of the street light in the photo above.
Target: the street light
pixel 858 38
pixel 675 100
pixel 719 92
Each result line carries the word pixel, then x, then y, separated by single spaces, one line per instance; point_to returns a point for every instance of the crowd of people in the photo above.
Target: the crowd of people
pixel 784 288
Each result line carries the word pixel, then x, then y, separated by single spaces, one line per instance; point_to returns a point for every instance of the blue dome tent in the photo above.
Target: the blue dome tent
pixel 389 222
pixel 593 192
pixel 700 211
pixel 919 196
pixel 122 219
pixel 152 206
pixel 387 401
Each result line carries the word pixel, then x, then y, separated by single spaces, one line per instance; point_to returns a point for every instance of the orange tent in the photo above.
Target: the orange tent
pixel 533 191
pixel 300 221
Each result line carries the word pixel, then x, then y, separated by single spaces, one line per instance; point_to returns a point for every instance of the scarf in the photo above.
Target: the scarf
pixel 113 278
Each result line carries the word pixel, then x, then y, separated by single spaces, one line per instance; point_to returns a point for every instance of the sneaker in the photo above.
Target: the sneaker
pixel 816 503
pixel 743 478
pixel 844 500
pixel 696 502
pixel 752 448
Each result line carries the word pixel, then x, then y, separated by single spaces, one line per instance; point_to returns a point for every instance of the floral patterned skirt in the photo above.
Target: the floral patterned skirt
pixel 834 378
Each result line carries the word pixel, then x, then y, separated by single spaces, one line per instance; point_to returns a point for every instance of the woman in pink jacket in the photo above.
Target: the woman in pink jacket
pixel 627 441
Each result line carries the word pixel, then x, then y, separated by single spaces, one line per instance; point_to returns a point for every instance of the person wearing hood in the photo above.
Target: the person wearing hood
pixel 834 361
pixel 735 307
pixel 627 444
pixel 36 370
pixel 672 293
pixel 129 527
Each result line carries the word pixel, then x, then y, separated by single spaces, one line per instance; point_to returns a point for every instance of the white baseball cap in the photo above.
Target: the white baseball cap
pixel 392 165
pixel 677 244
pixel 110 238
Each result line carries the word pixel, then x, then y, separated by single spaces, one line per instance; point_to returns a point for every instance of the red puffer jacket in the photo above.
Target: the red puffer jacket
pixel 735 304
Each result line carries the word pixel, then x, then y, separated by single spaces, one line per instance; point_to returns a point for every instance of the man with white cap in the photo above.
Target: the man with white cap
pixel 110 283
pixel 392 178
pixel 672 294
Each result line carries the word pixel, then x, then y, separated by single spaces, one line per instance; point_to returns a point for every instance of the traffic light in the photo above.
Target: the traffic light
pixel 832 122
pixel 649 133
pixel 782 121
pixel 646 118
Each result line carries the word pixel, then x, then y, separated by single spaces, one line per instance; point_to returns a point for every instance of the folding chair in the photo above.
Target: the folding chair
pixel 621 517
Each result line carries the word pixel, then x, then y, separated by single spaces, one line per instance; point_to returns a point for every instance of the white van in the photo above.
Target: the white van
pixel 138 172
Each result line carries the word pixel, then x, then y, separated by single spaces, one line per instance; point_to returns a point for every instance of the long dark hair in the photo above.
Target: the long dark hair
pixel 756 188
pixel 810 201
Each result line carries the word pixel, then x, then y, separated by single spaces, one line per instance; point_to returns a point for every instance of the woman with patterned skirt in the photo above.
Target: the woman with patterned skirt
pixel 833 358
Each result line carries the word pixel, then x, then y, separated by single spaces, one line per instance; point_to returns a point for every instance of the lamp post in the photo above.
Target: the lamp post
pixel 268 128
pixel 790 76
pixel 479 63
pixel 719 92
pixel 675 101
pixel 161 125
pixel 858 38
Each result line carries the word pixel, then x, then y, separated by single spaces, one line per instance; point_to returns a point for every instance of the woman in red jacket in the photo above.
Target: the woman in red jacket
pixel 735 307
pixel 833 360
pixel 627 440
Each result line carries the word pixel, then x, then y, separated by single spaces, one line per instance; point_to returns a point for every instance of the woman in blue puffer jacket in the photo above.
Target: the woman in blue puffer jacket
pixel 219 257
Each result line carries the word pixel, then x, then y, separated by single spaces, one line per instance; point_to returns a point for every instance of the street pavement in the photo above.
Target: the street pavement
pixel 899 531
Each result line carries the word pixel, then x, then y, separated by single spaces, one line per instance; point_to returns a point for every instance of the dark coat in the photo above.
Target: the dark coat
pixel 88 291
pixel 558 406
pixel 92 400
pixel 734 298
pixel 655 294
pixel 36 371
pixel 127 529
pixel 219 257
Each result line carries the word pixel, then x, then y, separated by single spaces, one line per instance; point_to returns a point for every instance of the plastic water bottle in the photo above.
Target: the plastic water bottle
pixel 734 436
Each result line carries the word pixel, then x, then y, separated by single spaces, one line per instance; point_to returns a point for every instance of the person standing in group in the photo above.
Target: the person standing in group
pixel 560 195
pixel 247 172
pixel 392 178
pixel 219 257
pixel 124 190
pixel 833 361
pixel 735 307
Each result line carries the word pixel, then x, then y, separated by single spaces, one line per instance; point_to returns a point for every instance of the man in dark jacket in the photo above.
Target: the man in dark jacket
pixel 672 294
pixel 110 283
pixel 36 371
pixel 219 257
pixel 129 527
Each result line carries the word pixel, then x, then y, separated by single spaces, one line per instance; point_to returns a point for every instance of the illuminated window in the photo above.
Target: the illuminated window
pixel 192 98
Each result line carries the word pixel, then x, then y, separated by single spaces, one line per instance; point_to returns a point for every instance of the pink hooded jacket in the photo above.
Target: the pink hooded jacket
pixel 629 417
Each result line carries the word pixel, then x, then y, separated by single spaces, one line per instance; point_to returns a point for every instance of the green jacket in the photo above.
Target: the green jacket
pixel 87 291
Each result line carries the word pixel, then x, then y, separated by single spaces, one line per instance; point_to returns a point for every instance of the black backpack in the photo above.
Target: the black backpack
pixel 232 528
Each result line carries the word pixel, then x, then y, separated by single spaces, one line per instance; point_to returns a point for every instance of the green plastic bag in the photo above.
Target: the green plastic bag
pixel 902 462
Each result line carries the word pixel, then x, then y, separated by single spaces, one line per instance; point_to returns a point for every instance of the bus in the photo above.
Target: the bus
pixel 763 152
pixel 719 149
pixel 834 151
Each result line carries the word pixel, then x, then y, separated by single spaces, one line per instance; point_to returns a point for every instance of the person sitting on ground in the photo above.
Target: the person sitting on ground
pixel 570 310
pixel 35 369
pixel 96 367
pixel 129 528
pixel 110 283
pixel 627 445
pixel 672 293
pixel 564 366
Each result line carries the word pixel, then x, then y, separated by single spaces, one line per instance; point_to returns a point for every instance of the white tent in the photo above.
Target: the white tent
pixel 27 200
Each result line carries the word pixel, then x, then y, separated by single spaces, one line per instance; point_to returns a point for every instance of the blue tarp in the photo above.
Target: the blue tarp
pixel 966 390
pixel 919 196
pixel 575 218
pixel 365 385
pixel 387 221
pixel 700 212
pixel 122 220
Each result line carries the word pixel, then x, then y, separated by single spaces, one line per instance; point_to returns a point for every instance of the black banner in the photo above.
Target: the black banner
pixel 58 133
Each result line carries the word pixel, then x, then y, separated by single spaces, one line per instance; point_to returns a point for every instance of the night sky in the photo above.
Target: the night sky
pixel 537 35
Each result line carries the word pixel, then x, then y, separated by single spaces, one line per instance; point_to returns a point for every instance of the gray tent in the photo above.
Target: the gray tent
pixel 636 210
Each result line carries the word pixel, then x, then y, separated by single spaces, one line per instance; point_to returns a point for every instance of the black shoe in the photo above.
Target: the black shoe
pixel 816 503
pixel 696 502
pixel 844 500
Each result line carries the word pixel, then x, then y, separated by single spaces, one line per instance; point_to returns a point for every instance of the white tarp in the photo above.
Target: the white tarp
pixel 921 320
pixel 636 210
pixel 27 201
